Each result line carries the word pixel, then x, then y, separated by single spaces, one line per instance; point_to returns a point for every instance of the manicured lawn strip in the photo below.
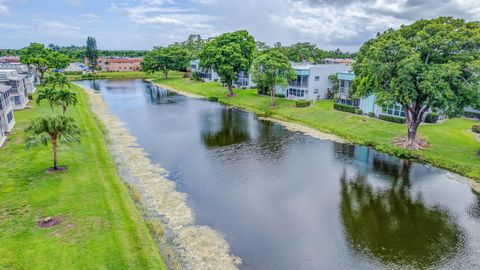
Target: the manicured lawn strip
pixel 452 145
pixel 101 227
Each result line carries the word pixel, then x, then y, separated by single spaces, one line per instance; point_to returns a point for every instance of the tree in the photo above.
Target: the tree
pixel 194 45
pixel 91 52
pixel 228 55
pixel 333 78
pixel 43 58
pixel 162 59
pixel 48 94
pixel 431 64
pixel 52 129
pixel 66 98
pixel 272 68
pixel 57 79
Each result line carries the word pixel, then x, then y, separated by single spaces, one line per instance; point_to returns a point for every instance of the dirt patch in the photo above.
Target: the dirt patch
pixel 59 169
pixel 49 222
pixel 420 143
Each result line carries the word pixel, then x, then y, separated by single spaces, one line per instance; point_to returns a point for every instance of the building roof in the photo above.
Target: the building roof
pixel 125 60
pixel 4 88
pixel 11 74
pixel 347 76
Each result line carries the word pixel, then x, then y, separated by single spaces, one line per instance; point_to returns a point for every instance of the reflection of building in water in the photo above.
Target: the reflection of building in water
pixel 158 95
pixel 391 227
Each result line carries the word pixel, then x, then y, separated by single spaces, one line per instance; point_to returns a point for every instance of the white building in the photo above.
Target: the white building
pixel 7 120
pixel 243 80
pixel 29 73
pixel 18 91
pixel 312 81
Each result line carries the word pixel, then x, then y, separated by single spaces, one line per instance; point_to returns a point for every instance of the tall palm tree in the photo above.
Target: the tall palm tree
pixel 52 129
pixel 66 98
pixel 49 94
pixel 57 79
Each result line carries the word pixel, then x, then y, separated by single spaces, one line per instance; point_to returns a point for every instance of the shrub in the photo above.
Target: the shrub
pixel 344 108
pixel 213 98
pixel 302 103
pixel 196 76
pixel 476 128
pixel 30 97
pixel 280 95
pixel 358 111
pixel 472 114
pixel 393 119
pixel 371 114
pixel 431 118
pixel 72 72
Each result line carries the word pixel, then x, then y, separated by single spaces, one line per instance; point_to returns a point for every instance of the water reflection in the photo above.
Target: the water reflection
pixel 391 226
pixel 157 95
pixel 229 128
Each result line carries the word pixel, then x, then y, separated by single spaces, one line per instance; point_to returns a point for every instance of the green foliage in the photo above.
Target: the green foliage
pixel 393 119
pixel 302 103
pixel 358 111
pixel 431 118
pixel 272 69
pixel 193 45
pixel 213 98
pixel 305 51
pixel 371 114
pixel 228 55
pixel 91 52
pixel 162 59
pixel 196 76
pixel 48 94
pixel 66 98
pixel 344 108
pixel 476 128
pixel 57 79
pixel 43 58
pixel 431 64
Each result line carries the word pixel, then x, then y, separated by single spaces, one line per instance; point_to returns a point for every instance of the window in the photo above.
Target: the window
pixel 296 92
pixel 17 101
pixel 194 66
pixel 315 91
pixel 349 102
pixel 395 110
pixel 10 116
pixel 300 81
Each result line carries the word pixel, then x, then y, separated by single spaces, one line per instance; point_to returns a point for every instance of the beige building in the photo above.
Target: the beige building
pixel 119 64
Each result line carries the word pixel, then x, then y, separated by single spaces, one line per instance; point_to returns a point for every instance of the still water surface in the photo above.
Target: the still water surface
pixel 284 200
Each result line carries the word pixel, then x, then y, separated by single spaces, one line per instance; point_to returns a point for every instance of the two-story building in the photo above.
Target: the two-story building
pixel 243 80
pixel 312 81
pixel 7 120
pixel 119 64
pixel 29 73
pixel 18 91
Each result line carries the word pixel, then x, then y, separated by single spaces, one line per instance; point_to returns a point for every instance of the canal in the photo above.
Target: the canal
pixel 285 200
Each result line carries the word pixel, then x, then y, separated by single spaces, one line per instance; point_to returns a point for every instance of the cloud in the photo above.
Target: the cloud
pixel 59 29
pixel 4 10
pixel 75 3
pixel 12 26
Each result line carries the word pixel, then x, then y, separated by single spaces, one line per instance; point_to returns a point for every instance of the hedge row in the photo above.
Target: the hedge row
pixel 431 118
pixel 472 115
pixel 344 108
pixel 302 103
pixel 393 119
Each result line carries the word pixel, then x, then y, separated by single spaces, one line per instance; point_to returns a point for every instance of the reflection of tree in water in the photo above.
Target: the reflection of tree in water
pixel 272 139
pixel 157 95
pixel 393 228
pixel 95 85
pixel 474 210
pixel 233 130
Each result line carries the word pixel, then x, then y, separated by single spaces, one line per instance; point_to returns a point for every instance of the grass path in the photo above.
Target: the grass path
pixel 101 227
pixel 451 144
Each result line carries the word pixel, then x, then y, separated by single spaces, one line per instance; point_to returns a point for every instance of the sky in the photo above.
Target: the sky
pixel 142 24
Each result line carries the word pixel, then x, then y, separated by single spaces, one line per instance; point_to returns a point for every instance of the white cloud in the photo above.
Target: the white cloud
pixel 12 26
pixel 75 3
pixel 59 29
pixel 4 10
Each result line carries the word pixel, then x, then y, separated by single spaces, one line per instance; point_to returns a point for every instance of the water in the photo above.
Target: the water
pixel 284 200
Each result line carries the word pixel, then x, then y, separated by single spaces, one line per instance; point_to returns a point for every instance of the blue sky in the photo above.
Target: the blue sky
pixel 142 24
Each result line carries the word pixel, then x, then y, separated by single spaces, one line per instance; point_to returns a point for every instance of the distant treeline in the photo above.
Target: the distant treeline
pixel 298 52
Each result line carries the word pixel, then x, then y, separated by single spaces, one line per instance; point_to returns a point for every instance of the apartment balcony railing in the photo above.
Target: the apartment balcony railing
pixel 298 84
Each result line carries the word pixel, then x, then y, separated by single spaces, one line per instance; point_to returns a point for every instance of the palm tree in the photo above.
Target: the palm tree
pixel 66 98
pixel 49 94
pixel 57 79
pixel 52 129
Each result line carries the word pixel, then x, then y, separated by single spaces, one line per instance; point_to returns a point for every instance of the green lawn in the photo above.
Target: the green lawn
pixel 451 144
pixel 101 227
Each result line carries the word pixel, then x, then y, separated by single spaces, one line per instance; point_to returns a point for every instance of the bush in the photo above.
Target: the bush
pixel 344 108
pixel 72 72
pixel 213 98
pixel 302 103
pixel 196 76
pixel 476 128
pixel 280 95
pixel 472 115
pixel 431 118
pixel 358 111
pixel 393 119
pixel 371 114
pixel 30 97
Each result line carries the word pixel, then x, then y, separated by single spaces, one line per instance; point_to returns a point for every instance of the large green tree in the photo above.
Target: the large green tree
pixel 228 55
pixel 91 52
pixel 52 129
pixel 43 58
pixel 273 69
pixel 173 57
pixel 431 64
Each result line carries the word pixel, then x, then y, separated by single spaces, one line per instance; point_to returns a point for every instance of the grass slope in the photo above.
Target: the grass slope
pixel 452 145
pixel 101 227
